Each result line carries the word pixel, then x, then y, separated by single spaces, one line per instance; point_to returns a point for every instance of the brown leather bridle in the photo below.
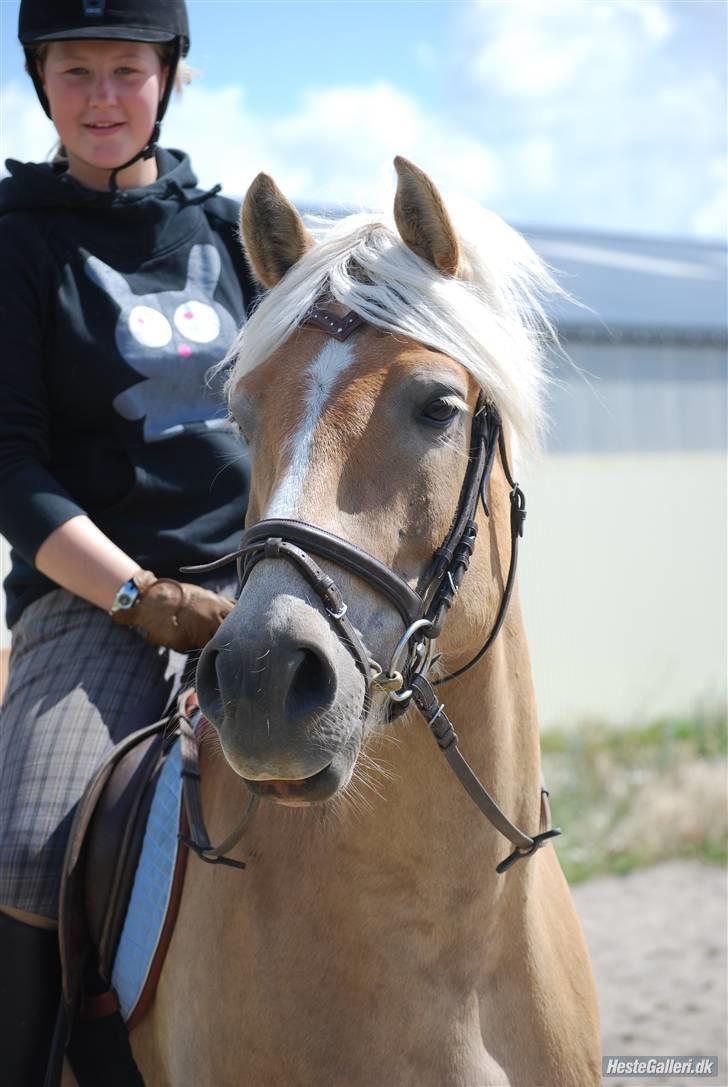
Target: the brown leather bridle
pixel 423 610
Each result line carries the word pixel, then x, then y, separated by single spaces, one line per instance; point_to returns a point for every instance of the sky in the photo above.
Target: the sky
pixel 605 115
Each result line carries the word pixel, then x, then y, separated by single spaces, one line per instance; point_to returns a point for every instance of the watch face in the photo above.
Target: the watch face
pixel 126 597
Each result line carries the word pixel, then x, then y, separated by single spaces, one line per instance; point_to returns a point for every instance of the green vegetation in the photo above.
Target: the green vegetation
pixel 626 798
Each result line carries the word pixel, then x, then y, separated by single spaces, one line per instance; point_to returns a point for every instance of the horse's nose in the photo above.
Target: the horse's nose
pixel 267 701
pixel 208 691
pixel 296 682
pixel 308 684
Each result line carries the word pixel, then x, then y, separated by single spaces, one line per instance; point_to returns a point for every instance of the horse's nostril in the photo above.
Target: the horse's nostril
pixel 312 687
pixel 208 685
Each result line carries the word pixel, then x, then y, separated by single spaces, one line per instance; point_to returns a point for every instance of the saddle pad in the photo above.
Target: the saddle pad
pixel 152 890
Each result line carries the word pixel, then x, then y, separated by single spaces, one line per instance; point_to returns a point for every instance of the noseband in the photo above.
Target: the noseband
pixel 423 610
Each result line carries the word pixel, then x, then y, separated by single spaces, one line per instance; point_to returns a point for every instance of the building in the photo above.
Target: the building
pixel 624 564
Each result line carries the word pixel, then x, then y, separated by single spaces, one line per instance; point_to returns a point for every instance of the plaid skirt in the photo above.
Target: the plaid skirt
pixel 78 684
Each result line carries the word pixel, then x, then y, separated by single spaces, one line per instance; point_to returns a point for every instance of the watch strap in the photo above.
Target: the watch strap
pixel 129 594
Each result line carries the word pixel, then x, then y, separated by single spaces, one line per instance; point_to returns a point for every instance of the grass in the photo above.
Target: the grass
pixel 629 797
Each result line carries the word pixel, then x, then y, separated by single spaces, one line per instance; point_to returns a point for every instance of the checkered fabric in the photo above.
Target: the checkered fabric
pixel 78 685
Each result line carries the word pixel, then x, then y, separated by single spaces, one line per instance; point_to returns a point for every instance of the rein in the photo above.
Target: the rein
pixel 423 611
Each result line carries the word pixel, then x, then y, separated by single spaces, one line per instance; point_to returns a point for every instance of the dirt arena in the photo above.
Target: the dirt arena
pixel 658 944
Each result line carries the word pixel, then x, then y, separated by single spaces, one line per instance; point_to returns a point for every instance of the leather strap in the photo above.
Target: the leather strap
pixel 517 521
pixel 273 547
pixel 328 546
pixel 327 321
pixel 441 728
pixel 197 840
pixel 518 516
pixel 100 1005
pixel 483 436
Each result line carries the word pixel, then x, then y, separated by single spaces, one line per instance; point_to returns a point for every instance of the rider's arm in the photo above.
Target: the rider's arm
pixel 80 558
pixel 33 502
pixel 38 516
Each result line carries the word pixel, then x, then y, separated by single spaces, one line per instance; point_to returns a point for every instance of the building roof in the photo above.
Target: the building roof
pixel 637 288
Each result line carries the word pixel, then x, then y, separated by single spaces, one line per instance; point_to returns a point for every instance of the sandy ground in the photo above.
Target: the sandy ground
pixel 658 944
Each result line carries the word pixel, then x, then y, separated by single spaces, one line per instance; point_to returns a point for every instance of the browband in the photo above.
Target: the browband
pixel 327 321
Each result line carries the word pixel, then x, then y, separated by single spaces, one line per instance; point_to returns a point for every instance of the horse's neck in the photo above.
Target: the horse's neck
pixel 407 819
pixel 493 711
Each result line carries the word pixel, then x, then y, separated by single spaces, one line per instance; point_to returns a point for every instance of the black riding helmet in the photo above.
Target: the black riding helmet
pixel 154 21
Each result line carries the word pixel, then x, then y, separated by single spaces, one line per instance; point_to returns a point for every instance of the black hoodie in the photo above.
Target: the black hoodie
pixel 113 308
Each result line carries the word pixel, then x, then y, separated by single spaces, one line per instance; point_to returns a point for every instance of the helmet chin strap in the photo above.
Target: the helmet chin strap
pixel 146 152
pixel 149 150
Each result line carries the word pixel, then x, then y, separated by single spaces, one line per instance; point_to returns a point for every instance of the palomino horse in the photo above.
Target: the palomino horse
pixel 370 941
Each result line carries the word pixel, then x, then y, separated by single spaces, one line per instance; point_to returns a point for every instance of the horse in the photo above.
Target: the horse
pixel 384 933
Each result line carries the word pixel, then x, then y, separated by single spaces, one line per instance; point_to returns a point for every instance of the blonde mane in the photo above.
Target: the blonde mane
pixel 492 320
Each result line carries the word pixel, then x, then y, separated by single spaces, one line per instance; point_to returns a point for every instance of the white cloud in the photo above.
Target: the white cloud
pixel 528 49
pixel 604 113
pixel 25 131
pixel 711 218
pixel 656 23
pixel 348 135
pixel 337 145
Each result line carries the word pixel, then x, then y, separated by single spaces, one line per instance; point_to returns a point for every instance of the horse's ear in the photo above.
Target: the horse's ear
pixel 421 218
pixel 272 231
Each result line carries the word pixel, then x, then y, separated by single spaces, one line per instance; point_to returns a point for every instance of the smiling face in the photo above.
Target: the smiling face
pixel 104 97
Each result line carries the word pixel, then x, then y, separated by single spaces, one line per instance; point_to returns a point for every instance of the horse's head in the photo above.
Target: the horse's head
pixel 363 427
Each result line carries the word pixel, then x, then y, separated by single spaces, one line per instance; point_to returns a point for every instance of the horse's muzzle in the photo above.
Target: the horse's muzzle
pixel 303 793
pixel 285 697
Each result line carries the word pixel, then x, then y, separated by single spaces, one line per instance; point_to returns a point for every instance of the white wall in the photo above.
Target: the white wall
pixel 623 584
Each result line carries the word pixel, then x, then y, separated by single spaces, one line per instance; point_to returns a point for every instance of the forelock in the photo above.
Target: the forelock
pixel 491 318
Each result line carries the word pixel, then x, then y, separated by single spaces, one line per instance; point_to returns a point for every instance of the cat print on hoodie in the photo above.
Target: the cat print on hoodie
pixel 172 339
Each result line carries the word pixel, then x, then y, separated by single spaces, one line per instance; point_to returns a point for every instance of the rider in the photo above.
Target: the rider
pixel 122 285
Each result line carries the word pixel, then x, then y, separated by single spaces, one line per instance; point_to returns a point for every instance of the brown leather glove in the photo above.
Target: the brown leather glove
pixel 173 614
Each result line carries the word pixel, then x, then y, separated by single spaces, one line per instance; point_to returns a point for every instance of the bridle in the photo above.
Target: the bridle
pixel 423 610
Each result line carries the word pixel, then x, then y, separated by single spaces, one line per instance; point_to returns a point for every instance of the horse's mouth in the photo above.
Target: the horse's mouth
pixel 301 792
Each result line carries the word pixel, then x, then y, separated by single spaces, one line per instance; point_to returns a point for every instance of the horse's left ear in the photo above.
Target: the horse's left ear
pixel 272 231
pixel 422 221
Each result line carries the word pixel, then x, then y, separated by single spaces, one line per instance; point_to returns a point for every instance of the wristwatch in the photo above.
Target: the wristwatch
pixel 126 597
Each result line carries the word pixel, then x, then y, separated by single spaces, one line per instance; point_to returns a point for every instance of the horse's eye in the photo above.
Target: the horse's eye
pixel 440 412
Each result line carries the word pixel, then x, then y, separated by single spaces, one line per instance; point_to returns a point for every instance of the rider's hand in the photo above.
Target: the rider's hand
pixel 172 614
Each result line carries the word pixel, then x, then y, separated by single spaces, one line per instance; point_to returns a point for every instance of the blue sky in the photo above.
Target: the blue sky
pixel 603 114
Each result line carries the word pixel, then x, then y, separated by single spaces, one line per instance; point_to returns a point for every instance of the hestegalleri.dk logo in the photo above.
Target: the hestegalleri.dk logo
pixel 659 1066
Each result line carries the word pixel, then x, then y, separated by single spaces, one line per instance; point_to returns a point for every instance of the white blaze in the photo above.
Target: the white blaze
pixel 326 368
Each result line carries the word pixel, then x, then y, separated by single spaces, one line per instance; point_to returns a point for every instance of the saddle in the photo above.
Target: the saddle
pixel 109 837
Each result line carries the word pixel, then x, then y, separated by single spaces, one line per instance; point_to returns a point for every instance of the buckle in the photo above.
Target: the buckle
pixel 517 854
pixel 518 510
pixel 205 854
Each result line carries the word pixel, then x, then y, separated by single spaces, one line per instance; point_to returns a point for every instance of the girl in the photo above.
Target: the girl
pixel 122 284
